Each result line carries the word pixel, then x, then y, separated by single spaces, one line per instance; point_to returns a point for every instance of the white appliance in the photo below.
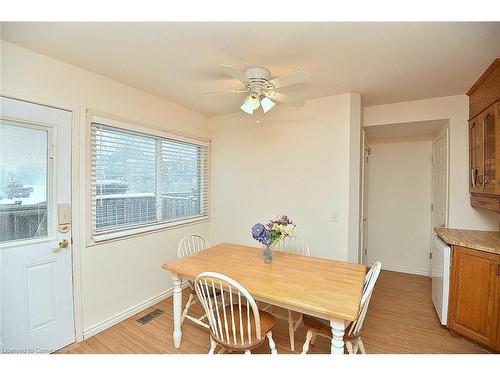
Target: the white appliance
pixel 440 274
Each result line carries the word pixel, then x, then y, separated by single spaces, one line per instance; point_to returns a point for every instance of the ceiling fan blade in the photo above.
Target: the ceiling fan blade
pixel 285 99
pixel 233 72
pixel 291 79
pixel 224 91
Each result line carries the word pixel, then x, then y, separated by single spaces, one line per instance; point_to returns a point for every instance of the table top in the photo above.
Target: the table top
pixel 320 287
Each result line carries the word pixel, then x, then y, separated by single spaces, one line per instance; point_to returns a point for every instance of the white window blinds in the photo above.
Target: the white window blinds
pixel 140 180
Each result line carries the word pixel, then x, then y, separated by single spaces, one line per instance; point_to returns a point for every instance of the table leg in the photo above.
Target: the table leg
pixel 338 328
pixel 177 298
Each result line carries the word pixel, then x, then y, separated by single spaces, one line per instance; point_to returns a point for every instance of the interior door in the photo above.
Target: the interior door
pixel 439 181
pixel 439 193
pixel 36 304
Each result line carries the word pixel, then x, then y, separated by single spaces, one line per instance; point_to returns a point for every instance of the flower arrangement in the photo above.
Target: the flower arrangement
pixel 273 231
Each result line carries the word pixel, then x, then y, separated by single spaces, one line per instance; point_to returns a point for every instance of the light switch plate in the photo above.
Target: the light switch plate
pixel 334 216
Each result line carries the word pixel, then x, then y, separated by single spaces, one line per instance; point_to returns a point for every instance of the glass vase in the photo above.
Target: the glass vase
pixel 267 252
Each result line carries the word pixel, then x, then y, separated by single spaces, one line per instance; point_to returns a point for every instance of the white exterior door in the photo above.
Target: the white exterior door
pixel 36 304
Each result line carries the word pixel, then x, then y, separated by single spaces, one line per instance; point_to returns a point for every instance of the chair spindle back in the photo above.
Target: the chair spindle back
pixel 191 244
pixel 370 280
pixel 294 245
pixel 232 314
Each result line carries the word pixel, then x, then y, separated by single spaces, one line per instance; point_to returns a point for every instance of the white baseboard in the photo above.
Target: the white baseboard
pixel 115 319
pixel 413 271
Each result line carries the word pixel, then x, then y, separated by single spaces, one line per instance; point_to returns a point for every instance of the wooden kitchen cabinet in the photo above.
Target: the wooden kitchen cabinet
pixel 476 155
pixel 474 307
pixel 484 140
pixel 489 143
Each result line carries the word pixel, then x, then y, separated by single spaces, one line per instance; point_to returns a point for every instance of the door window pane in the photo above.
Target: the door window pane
pixel 23 182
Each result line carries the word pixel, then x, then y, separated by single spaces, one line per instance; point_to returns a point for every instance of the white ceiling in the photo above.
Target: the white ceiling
pixel 385 62
pixel 405 129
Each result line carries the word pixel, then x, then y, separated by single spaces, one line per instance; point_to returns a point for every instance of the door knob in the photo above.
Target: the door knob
pixel 62 244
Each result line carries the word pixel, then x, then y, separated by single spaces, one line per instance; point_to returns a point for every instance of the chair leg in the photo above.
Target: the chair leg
pixel 291 331
pixel 361 346
pixel 213 345
pixel 188 305
pixel 349 347
pixel 305 348
pixel 272 345
pixel 313 338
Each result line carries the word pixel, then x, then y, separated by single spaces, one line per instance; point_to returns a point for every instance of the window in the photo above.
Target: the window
pixel 23 181
pixel 140 181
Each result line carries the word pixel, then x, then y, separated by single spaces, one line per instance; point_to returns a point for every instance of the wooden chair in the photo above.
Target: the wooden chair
pixel 352 337
pixel 189 245
pixel 294 245
pixel 234 319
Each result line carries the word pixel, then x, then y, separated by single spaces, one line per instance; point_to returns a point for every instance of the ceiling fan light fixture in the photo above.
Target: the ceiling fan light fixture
pixel 251 104
pixel 267 104
pixel 245 108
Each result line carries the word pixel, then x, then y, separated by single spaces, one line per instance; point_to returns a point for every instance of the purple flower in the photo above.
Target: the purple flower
pixel 284 220
pixel 266 238
pixel 261 234
pixel 257 231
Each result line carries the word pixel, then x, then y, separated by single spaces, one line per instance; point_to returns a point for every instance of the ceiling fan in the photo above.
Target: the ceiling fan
pixel 261 89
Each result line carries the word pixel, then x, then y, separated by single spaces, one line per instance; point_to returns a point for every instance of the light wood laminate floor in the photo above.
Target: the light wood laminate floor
pixel 401 319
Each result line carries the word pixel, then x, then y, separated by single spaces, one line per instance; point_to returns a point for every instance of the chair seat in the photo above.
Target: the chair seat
pixel 322 327
pixel 266 325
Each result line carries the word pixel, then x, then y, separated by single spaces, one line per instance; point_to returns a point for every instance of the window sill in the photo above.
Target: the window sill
pixel 136 232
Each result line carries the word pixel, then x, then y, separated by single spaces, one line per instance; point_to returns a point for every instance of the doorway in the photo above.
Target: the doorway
pixel 36 280
pixel 405 193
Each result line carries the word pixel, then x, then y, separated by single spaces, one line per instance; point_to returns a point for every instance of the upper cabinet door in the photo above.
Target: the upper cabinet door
pixel 476 163
pixel 497 131
pixel 490 159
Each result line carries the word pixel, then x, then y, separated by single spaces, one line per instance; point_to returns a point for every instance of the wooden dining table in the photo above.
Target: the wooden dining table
pixel 323 288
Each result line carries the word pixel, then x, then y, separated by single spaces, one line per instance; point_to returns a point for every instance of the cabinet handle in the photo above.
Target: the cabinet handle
pixel 498 269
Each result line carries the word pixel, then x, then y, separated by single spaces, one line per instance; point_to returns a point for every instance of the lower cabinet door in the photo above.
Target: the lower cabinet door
pixel 474 295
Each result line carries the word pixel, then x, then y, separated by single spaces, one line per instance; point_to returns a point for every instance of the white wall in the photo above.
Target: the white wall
pixel 296 161
pixel 399 199
pixel 355 146
pixel 119 275
pixel 456 109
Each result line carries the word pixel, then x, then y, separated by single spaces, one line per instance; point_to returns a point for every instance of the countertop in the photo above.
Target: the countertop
pixel 474 239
